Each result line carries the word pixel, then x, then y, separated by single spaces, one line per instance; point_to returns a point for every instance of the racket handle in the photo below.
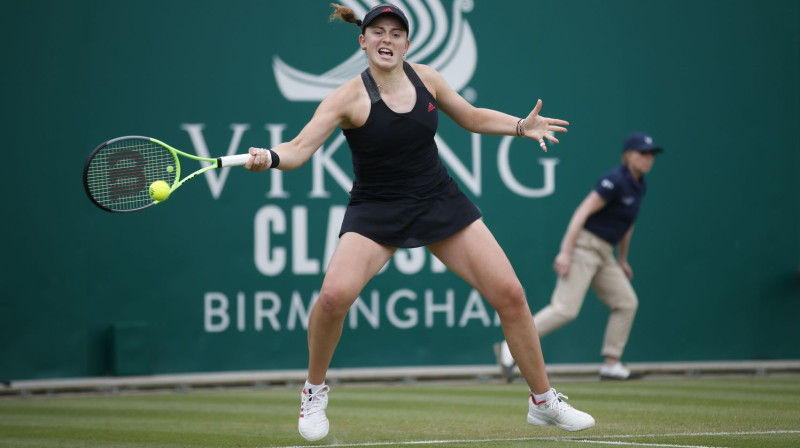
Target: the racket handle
pixel 237 160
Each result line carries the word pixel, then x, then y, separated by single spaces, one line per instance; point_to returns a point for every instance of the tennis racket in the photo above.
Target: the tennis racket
pixel 118 174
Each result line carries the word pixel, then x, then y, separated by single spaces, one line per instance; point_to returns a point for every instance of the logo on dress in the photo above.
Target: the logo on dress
pixel 431 107
pixel 444 43
pixel 628 200
pixel 607 184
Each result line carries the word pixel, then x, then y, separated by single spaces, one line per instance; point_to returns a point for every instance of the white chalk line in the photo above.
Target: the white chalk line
pixel 593 440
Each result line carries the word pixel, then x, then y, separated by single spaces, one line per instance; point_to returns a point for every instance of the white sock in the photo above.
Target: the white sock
pixel 312 388
pixel 543 398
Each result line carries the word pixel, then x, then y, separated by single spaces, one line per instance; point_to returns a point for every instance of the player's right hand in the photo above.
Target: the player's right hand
pixel 260 160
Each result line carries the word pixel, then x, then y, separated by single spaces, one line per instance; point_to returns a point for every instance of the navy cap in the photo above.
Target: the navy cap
pixel 379 10
pixel 639 141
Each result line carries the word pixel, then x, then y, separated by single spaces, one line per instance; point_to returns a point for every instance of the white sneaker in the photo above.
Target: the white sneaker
pixel 558 412
pixel 313 423
pixel 617 372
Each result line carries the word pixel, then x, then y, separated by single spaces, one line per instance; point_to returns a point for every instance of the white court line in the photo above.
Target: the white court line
pixel 609 442
pixel 561 439
pixel 700 434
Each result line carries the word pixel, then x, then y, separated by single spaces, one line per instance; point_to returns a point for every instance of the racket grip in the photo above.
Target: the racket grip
pixel 237 160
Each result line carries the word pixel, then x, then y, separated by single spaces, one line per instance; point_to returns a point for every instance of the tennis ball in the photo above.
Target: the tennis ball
pixel 159 190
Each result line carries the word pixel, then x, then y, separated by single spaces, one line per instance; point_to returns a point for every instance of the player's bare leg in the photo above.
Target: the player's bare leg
pixel 355 261
pixel 475 256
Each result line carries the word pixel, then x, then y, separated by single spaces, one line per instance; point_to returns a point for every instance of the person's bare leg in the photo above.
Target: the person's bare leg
pixel 474 255
pixel 355 261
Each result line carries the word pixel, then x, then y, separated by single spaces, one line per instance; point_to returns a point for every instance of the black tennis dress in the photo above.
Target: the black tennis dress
pixel 402 194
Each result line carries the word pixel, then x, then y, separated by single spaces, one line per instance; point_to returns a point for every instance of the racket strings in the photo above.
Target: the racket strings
pixel 119 175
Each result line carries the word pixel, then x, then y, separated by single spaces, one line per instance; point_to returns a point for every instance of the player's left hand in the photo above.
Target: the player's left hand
pixel 540 128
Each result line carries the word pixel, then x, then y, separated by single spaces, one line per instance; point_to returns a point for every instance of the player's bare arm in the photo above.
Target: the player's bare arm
pixel 488 121
pixel 340 108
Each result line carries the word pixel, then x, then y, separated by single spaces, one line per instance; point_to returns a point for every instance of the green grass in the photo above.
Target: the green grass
pixel 757 412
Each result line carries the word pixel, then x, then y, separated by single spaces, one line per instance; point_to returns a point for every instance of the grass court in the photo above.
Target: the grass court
pixel 677 412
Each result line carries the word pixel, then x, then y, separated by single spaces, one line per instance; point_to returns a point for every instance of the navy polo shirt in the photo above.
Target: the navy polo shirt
pixel 623 195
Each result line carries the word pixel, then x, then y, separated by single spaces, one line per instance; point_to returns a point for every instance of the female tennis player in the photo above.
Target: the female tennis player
pixel 403 196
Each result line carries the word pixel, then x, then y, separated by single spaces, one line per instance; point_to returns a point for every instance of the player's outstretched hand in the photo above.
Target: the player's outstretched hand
pixel 540 128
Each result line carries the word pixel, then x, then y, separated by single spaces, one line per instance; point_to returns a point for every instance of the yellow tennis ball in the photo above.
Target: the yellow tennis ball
pixel 159 190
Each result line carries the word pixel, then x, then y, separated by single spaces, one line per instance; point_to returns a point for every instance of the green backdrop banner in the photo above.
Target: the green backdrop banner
pixel 222 276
